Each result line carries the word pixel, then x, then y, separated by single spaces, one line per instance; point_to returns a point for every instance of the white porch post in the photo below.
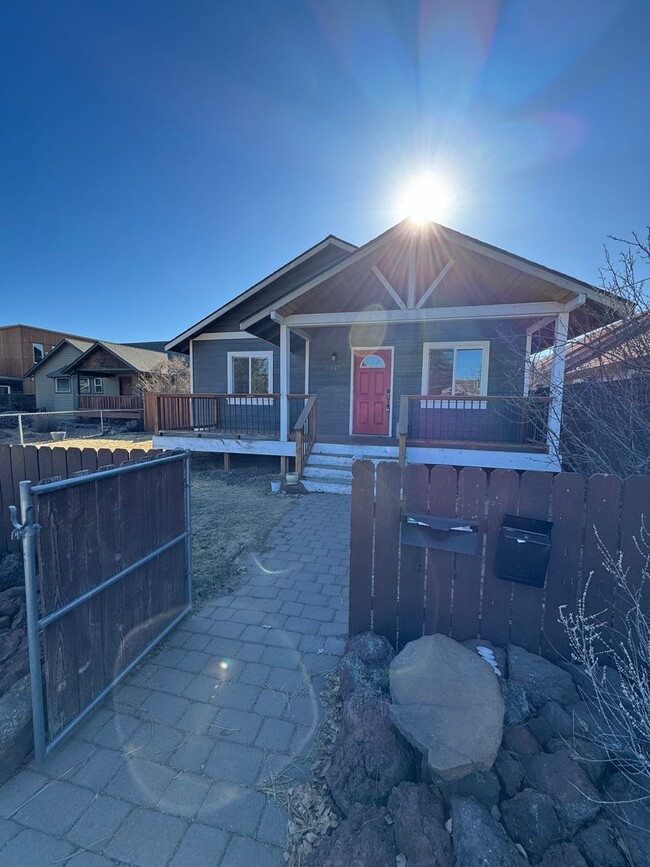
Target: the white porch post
pixel 307 345
pixel 557 383
pixel 285 348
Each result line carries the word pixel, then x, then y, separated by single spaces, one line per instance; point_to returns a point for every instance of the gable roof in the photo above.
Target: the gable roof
pixel 405 229
pixel 81 345
pixel 138 359
pixel 331 240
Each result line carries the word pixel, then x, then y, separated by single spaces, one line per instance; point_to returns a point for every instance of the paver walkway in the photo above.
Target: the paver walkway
pixel 166 772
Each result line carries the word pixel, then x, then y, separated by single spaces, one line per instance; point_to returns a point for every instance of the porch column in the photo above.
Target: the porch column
pixel 557 383
pixel 285 349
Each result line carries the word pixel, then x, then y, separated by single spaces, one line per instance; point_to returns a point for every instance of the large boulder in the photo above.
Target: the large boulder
pixel 483 786
pixel 364 839
pixel 365 662
pixel 479 840
pixel 541 680
pixel 520 741
pixel 558 776
pixel 16 738
pixel 563 855
pixel 418 823
pixel 370 757
pixel 600 845
pixel 510 772
pixel 530 819
pixel 447 703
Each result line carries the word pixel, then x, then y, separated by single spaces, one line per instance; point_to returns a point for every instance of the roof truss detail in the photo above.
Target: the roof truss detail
pixel 432 288
pixel 388 287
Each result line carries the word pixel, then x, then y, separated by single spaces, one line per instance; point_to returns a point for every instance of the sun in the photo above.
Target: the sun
pixel 426 196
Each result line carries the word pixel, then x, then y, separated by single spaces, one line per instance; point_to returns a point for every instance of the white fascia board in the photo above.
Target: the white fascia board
pixel 489 311
pixel 226 335
pixel 210 443
pixel 493 460
pixel 310 284
pixel 190 332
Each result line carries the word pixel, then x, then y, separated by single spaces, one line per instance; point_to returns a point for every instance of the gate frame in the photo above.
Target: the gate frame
pixel 26 531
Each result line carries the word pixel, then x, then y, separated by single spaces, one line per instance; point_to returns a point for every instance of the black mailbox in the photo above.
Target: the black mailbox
pixel 523 550
pixel 445 534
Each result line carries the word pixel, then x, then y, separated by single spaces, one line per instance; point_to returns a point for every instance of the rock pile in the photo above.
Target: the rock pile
pixel 459 767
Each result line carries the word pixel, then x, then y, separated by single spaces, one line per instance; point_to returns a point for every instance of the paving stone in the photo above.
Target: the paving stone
pixel 240 696
pixel 55 808
pixel 232 807
pixel 255 674
pixel 273 825
pixel 223 648
pixel 130 695
pixel 8 829
pixel 248 616
pixel 320 663
pixel 201 688
pixel 293 609
pixel 288 595
pixel 194 661
pixel 335 628
pixel 99 769
pixel 31 848
pixel 141 782
pixel 164 708
pixel 63 760
pixel 90 859
pixel 271 703
pixel 284 638
pixel 304 625
pixel 98 824
pixel 157 742
pixel 237 726
pixel 147 838
pixel 275 734
pixel 244 852
pixel 225 629
pixel 96 721
pixel 249 652
pixel 192 754
pixel 198 718
pixel 196 642
pixel 170 680
pixel 285 657
pixel 255 634
pixel 119 732
pixel 237 763
pixel 170 656
pixel 185 795
pixel 202 845
pixel 288 680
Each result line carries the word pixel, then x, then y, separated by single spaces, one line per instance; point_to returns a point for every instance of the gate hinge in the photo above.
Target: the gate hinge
pixel 21 530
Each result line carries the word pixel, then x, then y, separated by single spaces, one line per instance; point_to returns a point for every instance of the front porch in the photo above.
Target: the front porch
pixel 508 432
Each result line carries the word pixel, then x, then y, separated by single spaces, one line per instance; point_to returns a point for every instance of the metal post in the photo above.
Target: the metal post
pixel 28 536
pixel 101 421
pixel 187 477
pixel 20 429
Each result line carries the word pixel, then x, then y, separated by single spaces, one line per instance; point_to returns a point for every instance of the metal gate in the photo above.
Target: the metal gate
pixel 114 578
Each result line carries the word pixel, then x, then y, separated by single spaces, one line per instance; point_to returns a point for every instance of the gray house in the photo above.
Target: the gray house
pixel 414 346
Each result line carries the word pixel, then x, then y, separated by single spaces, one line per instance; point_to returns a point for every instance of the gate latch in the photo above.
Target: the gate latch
pixel 29 528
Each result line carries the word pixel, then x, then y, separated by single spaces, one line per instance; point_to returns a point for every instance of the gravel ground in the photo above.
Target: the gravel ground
pixel 231 513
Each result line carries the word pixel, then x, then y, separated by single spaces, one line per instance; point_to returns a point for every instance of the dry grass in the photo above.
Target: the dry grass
pixel 123 441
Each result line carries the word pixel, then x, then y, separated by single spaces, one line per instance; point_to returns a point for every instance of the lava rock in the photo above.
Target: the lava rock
pixel 479 840
pixel 630 815
pixel 9 644
pixel 419 826
pixel 510 772
pixel 447 703
pixel 483 786
pixel 11 600
pixel 517 708
pixel 563 855
pixel 542 680
pixel 365 662
pixel 520 741
pixel 371 648
pixel 370 757
pixel 591 757
pixel 599 845
pixel 11 571
pixel 15 665
pixel 531 820
pixel 558 776
pixel 16 738
pixel 364 839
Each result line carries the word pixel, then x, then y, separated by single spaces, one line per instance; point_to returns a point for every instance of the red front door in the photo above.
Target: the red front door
pixel 371 396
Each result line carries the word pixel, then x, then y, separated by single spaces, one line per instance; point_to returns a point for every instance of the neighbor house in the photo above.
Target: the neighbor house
pixel 414 346
pixel 93 375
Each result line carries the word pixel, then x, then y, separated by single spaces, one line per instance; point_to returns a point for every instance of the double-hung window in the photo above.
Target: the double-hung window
pixel 62 385
pixel 455 370
pixel 250 373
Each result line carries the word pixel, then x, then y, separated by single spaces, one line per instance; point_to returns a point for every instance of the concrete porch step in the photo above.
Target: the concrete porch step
pixel 327 486
pixel 320 471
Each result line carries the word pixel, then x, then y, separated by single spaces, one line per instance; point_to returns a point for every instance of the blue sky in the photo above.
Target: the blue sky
pixel 159 156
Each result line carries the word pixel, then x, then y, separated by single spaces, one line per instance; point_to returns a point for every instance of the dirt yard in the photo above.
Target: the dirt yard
pixel 231 513
pixel 119 441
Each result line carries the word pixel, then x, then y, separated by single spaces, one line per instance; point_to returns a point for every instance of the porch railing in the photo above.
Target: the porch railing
pixel 247 415
pixel 305 433
pixel 110 401
pixel 486 421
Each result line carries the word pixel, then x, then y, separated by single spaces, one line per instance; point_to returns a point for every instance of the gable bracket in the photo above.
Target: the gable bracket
pixel 387 286
pixel 441 276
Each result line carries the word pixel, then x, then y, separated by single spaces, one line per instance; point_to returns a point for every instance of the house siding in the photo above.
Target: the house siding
pixel 46 396
pixel 210 363
pixel 331 381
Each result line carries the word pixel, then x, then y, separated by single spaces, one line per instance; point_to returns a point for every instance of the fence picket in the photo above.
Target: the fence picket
pixel 6 497
pixel 603 515
pixel 73 458
pixel 467 577
pixel 413 560
pixel 503 498
pixel 387 535
pixel 59 462
pixel 361 546
pixel 440 568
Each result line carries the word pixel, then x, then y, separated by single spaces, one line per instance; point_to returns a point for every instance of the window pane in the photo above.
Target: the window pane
pixel 441 365
pixel 84 385
pixel 469 364
pixel 99 385
pixel 259 376
pixel 38 352
pixel 240 375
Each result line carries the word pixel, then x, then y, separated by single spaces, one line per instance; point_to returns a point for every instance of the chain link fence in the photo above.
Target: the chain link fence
pixel 23 428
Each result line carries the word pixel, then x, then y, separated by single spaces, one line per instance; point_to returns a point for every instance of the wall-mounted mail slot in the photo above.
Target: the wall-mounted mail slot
pixel 523 550
pixel 446 534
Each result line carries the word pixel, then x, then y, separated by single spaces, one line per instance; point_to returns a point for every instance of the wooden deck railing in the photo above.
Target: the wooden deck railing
pixel 481 421
pixel 110 401
pixel 305 432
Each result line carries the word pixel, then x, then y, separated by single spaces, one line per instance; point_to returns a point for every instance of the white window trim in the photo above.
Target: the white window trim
pixel 250 401
pixel 5 389
pixel 41 346
pixel 100 380
pixel 470 403
pixel 87 378
pixel 65 379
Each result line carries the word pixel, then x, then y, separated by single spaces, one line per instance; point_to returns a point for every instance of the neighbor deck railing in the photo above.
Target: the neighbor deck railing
pixel 482 421
pixel 110 401
pixel 305 433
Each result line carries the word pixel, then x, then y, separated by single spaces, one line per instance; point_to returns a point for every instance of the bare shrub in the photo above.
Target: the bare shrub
pixel 171 376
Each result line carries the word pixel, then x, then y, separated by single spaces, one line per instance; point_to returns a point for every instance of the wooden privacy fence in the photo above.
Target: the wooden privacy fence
pixel 403 592
pixel 114 577
pixel 18 463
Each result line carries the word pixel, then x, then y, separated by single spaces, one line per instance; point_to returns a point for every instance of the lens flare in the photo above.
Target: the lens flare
pixel 425 197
